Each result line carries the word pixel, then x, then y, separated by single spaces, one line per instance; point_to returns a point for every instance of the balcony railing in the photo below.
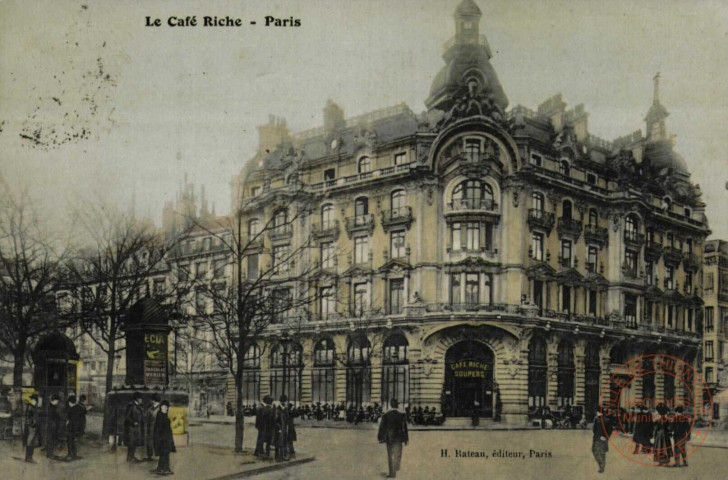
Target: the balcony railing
pixel 359 223
pixel 653 251
pixel 540 219
pixel 396 216
pixel 361 177
pixel 569 226
pixel 329 228
pixel 281 232
pixel 480 205
pixel 634 238
pixel 691 262
pixel 595 234
pixel 672 256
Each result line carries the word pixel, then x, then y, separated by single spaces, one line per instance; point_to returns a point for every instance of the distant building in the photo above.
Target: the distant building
pixel 715 322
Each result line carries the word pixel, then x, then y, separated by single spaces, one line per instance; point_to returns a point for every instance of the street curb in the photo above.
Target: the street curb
pixel 268 468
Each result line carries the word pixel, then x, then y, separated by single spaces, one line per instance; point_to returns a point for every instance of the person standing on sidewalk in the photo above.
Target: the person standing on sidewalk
pixel 34 427
pixel 150 418
pixel 84 410
pixel 393 432
pixel 264 424
pixel 681 435
pixel 55 427
pixel 133 427
pixel 163 439
pixel 602 430
pixel 282 424
pixel 73 427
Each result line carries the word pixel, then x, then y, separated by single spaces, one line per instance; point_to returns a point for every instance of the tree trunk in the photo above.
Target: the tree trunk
pixel 110 361
pixel 19 360
pixel 239 416
pixel 18 364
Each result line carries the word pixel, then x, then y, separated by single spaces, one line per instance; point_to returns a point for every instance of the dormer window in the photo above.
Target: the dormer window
pixel 564 168
pixel 365 165
pixel 688 212
pixel 666 204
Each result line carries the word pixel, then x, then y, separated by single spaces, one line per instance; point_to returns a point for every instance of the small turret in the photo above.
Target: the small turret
pixel 655 119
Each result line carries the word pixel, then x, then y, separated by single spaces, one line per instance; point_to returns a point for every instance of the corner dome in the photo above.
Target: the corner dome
pixel 661 155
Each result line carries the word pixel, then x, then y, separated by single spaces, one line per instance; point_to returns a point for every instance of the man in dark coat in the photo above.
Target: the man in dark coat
pixel 55 426
pixel 133 427
pixel 264 425
pixel 393 432
pixel 34 428
pixel 84 410
pixel 163 439
pixel 282 425
pixel 642 430
pixel 74 418
pixel 602 430
pixel 150 417
pixel 292 437
pixel 681 435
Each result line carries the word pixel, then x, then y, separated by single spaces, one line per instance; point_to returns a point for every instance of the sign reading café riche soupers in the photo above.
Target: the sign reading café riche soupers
pixel 469 369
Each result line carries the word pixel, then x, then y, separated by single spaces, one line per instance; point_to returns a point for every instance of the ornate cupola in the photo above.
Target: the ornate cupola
pixel 468 84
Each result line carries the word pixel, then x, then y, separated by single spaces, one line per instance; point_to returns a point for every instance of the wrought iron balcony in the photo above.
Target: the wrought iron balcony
pixel 569 227
pixel 691 262
pixel 595 234
pixel 281 232
pixel 633 238
pixel 653 251
pixel 329 228
pixel 672 256
pixel 396 216
pixel 472 205
pixel 359 223
pixel 540 219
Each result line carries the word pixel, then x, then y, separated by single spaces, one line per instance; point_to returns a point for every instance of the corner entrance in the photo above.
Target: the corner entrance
pixel 468 380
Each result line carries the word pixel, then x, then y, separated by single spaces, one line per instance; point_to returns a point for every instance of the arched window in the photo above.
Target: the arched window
pixel 565 375
pixel 365 165
pixel 286 366
pixel 395 369
pixel 593 217
pixel 327 216
pixel 566 209
pixel 253 227
pixel 361 206
pixel 251 375
pixel 537 373
pixel 537 201
pixel 469 194
pixel 632 223
pixel 399 201
pixel 358 371
pixel 280 221
pixel 564 168
pixel 323 381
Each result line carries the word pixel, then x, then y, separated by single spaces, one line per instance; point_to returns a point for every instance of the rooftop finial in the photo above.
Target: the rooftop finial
pixel 656 94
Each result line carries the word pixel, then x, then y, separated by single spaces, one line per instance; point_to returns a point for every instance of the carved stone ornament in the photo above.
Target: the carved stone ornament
pixel 473 99
pixel 512 362
pixel 430 195
pixel 516 197
pixel 615 222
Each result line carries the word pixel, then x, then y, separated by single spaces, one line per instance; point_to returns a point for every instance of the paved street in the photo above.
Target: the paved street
pixel 343 454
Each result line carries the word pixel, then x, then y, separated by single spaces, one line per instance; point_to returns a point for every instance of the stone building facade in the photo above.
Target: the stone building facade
pixel 715 323
pixel 475 256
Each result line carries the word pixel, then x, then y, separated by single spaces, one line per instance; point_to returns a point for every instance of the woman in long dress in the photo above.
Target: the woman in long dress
pixel 663 442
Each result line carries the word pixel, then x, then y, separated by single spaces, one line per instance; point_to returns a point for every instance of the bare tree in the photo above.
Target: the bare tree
pixel 262 293
pixel 107 278
pixel 29 278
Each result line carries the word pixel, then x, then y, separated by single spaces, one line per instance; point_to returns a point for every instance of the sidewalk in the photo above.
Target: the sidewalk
pixel 452 426
pixel 197 462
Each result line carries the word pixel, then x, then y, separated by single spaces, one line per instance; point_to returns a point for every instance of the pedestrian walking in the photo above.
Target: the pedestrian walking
pixel 163 439
pixel 133 427
pixel 662 434
pixel 84 411
pixel 601 430
pixel 34 428
pixel 55 426
pixel 642 431
pixel 681 435
pixel 393 432
pixel 150 418
pixel 282 423
pixel 292 437
pixel 74 418
pixel 264 424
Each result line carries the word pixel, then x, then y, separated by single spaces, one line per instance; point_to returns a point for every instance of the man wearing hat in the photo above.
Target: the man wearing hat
pixel 150 418
pixel 264 424
pixel 55 426
pixel 602 430
pixel 681 435
pixel 73 427
pixel 34 427
pixel 393 432
pixel 163 439
pixel 133 427
pixel 282 425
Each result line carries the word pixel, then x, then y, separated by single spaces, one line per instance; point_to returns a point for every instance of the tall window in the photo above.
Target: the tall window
pixel 591 258
pixel 282 303
pixel 457 233
pixel 323 384
pixel 397 244
pixel 472 288
pixel 564 168
pixel 400 158
pixel 280 221
pixel 472 194
pixel 361 250
pixel 631 227
pixel 709 320
pixel 688 283
pixel 399 201
pixel 396 296
pixel 593 295
pixel 327 299
pixel 395 369
pixel 358 372
pixel 286 366
pixel 365 165
pixel 565 299
pixel 670 278
pixel 472 237
pixel 709 353
pixel 251 375
pixel 565 374
pixel 361 298
pixel 454 288
pixel 537 201
pixel 253 228
pixel 565 253
pixel 253 266
pixel 630 310
pixel 537 246
pixel 328 255
pixel 537 372
pixel 472 149
pixel 630 263
pixel 566 209
pixel 361 207
pixel 650 273
pixel 327 217
pixel 280 258
pixel 593 217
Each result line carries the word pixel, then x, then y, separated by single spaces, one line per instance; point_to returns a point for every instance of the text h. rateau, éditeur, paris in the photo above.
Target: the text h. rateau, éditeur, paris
pixel 497 453
pixel 215 21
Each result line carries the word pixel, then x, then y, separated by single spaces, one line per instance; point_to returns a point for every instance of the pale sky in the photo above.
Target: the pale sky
pixel 119 107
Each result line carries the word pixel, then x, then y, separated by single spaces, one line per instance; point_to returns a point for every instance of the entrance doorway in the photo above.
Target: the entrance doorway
pixel 468 380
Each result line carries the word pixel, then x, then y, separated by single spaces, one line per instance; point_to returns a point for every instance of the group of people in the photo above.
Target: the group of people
pixel 428 416
pixel 50 426
pixel 275 429
pixel 149 426
pixel 661 433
